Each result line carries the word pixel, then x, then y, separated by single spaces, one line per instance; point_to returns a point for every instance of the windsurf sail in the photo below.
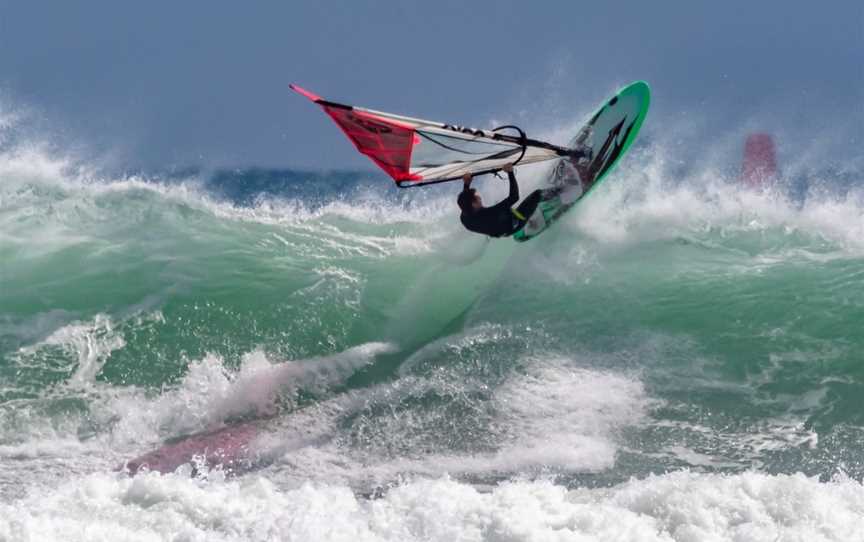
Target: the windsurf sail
pixel 760 160
pixel 417 152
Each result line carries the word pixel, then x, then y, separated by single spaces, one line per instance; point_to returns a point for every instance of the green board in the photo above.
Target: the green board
pixel 602 142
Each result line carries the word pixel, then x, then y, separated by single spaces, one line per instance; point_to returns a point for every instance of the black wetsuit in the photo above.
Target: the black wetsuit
pixel 501 220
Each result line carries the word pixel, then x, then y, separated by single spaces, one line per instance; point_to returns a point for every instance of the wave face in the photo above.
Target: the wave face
pixel 679 359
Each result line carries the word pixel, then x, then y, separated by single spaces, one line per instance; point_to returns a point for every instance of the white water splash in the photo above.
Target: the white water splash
pixel 681 506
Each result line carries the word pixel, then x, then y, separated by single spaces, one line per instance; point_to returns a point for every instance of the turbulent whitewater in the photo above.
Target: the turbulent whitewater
pixel 680 359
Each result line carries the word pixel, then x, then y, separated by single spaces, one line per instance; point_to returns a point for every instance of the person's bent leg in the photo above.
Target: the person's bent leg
pixel 527 207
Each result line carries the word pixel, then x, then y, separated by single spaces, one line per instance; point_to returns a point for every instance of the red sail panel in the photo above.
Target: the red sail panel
pixel 387 142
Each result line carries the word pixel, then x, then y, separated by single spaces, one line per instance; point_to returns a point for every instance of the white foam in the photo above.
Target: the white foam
pixel 554 417
pixel 338 229
pixel 736 449
pixel 681 506
pixel 118 421
pixel 36 177
pixel 209 393
pixel 643 207
pixel 55 446
pixel 90 342
pixel 560 415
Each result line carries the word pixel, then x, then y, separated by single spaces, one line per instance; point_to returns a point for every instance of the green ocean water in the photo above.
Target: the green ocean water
pixel 694 325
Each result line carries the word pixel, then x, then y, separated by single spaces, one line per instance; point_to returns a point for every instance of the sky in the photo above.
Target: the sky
pixel 158 84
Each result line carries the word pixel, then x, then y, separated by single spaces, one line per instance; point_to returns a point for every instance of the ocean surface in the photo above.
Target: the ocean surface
pixel 680 358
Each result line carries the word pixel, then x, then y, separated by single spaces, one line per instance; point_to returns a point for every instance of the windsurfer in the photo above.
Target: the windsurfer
pixel 501 219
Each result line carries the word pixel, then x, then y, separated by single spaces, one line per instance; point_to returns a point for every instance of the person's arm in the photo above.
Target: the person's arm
pixel 514 186
pixel 466 180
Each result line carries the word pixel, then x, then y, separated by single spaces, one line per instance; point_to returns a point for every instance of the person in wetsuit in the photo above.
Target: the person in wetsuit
pixel 501 219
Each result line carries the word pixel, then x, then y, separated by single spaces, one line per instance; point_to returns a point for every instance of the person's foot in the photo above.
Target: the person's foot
pixel 582 154
pixel 566 174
